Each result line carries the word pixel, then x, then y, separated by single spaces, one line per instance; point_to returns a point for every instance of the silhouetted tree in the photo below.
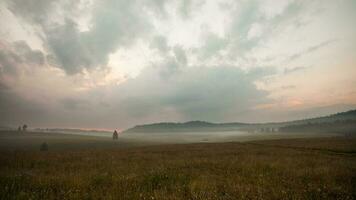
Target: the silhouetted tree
pixel 44 147
pixel 24 127
pixel 115 136
pixel 19 128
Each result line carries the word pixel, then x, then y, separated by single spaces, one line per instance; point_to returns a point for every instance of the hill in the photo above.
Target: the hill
pixel 200 126
pixel 183 127
pixel 342 116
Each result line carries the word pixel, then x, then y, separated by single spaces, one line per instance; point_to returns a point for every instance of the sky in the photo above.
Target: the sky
pixel 108 64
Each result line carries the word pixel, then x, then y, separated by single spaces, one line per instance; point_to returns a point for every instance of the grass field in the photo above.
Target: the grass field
pixel 79 167
pixel 31 141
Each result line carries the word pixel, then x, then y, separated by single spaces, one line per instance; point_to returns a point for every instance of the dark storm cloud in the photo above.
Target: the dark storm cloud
pixel 68 48
pixel 208 93
pixel 35 11
pixel 13 55
pixel 28 55
pixel 118 23
pixel 15 59
pixel 114 24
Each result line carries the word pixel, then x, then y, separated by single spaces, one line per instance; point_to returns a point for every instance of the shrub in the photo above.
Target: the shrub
pixel 44 147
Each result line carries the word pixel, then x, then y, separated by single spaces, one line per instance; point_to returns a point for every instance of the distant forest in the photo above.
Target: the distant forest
pixel 338 126
pixel 344 123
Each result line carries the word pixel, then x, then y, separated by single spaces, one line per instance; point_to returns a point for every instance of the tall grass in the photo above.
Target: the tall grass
pixel 193 171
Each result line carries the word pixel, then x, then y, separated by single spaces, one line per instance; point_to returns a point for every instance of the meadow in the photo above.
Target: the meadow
pixel 83 167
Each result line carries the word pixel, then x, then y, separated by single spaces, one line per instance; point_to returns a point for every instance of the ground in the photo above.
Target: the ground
pixel 79 167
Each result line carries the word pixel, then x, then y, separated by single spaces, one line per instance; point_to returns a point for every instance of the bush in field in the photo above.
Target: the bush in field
pixel 44 147
pixel 115 136
pixel 24 127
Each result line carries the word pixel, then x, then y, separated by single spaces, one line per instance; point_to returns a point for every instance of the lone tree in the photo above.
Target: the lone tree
pixel 115 136
pixel 24 127
pixel 44 147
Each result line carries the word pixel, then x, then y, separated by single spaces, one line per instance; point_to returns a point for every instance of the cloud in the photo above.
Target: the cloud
pixel 32 92
pixel 72 103
pixel 160 43
pixel 206 93
pixel 69 50
pixel 293 69
pixel 187 7
pixel 213 44
pixel 205 60
pixel 114 24
pixel 310 49
pixel 180 55
pixel 35 11
pixel 160 92
pixel 288 87
pixel 250 25
pixel 16 110
pixel 16 55
pixel 17 60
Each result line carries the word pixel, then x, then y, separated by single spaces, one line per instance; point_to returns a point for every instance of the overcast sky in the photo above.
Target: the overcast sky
pixel 116 63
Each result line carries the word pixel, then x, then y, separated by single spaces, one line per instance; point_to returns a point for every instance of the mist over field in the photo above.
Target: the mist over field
pixel 177 99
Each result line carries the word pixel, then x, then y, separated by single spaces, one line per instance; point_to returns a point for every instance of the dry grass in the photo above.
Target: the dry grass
pixel 192 171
